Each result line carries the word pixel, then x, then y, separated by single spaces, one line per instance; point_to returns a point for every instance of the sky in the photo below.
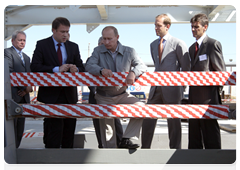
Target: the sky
pixel 138 36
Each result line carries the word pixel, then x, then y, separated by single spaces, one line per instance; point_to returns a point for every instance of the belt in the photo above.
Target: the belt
pixel 103 93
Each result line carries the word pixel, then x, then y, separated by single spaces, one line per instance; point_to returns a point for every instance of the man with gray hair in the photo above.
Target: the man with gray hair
pixel 106 59
pixel 18 62
pixel 100 41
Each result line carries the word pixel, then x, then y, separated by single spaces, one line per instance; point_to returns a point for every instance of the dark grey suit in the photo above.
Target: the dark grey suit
pixel 175 57
pixel 208 58
pixel 16 65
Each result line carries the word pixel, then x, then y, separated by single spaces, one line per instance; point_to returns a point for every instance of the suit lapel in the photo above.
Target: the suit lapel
pixel 166 48
pixel 15 54
pixel 201 50
pixel 68 51
pixel 27 62
pixel 155 52
pixel 53 50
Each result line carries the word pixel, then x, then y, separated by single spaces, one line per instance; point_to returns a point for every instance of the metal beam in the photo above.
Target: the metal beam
pixel 20 17
pixel 18 9
pixel 91 27
pixel 103 10
pixel 10 155
pixel 214 12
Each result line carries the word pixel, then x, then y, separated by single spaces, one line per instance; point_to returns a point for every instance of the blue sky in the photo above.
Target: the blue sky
pixel 138 36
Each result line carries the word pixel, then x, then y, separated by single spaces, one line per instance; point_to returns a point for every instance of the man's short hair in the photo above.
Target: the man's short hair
pixel 166 20
pixel 15 33
pixel 60 21
pixel 113 28
pixel 201 18
pixel 99 40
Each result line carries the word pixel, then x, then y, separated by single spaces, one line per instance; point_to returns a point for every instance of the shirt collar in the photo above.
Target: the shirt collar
pixel 165 37
pixel 114 51
pixel 119 48
pixel 17 50
pixel 200 40
pixel 55 42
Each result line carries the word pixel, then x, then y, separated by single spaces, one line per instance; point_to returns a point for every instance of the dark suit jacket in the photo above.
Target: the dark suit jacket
pixel 45 59
pixel 16 65
pixel 210 53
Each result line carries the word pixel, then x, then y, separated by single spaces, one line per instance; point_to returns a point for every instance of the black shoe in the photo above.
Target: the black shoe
pixel 126 143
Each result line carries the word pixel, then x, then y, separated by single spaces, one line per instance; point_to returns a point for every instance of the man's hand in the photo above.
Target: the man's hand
pixel 24 92
pixel 64 68
pixel 73 68
pixel 107 73
pixel 130 79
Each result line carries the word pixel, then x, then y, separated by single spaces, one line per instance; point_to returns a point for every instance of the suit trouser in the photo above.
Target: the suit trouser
pixel 107 126
pixel 204 133
pixel 174 126
pixel 59 132
pixel 19 124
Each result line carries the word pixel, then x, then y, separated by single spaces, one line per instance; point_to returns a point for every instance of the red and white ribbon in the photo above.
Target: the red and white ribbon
pixel 118 79
pixel 126 110
pixel 32 134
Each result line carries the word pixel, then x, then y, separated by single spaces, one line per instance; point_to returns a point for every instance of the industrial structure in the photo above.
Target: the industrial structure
pixel 23 17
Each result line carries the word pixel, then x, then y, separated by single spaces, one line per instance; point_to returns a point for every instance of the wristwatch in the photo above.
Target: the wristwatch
pixel 132 71
pixel 101 71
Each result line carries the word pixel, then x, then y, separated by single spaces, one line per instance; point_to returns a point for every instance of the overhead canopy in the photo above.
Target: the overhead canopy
pixel 23 17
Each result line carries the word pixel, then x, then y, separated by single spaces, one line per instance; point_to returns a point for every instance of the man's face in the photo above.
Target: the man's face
pixel 61 34
pixel 110 39
pixel 19 42
pixel 160 28
pixel 198 30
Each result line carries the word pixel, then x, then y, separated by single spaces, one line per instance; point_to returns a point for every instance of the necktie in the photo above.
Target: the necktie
pixel 160 50
pixel 59 53
pixel 20 54
pixel 196 49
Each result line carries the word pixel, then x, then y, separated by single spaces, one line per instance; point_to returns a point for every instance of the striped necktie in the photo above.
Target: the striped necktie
pixel 20 54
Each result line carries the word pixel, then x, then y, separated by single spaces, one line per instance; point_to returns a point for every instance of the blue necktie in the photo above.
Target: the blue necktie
pixel 20 54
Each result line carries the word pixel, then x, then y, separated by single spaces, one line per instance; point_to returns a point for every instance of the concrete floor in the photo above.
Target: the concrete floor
pixel 160 140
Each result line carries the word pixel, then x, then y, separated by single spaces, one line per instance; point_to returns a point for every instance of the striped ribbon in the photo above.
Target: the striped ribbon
pixel 126 110
pixel 118 79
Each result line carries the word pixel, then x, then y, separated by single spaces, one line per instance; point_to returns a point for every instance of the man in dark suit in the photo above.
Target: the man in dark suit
pixel 18 62
pixel 57 54
pixel 206 55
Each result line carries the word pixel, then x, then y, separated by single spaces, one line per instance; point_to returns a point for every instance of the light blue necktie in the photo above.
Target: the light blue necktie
pixel 20 54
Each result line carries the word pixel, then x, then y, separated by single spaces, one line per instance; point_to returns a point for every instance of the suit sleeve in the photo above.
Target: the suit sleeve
pixel 216 57
pixel 8 56
pixel 41 63
pixel 151 51
pixel 78 61
pixel 183 56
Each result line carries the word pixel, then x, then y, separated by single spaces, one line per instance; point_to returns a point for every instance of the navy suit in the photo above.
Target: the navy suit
pixel 57 132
